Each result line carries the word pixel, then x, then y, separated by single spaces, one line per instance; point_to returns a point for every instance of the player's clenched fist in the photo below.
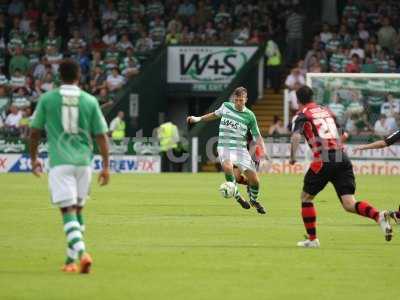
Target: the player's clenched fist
pixel 193 119
pixel 37 168
pixel 104 177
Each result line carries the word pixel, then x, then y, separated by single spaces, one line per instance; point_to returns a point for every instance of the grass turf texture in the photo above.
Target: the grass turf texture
pixel 172 236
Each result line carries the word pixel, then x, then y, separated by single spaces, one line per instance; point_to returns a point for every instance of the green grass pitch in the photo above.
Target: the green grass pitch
pixel 172 236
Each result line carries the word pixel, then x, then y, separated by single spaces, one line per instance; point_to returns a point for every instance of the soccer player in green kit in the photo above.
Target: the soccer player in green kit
pixel 70 118
pixel 236 121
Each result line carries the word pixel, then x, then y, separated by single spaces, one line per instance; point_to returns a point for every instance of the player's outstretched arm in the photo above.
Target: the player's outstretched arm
pixel 294 145
pixel 390 140
pixel 33 150
pixel 374 145
pixel 206 118
pixel 102 142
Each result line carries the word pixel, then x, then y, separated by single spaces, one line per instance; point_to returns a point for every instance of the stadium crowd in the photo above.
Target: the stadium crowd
pixel 366 40
pixel 111 40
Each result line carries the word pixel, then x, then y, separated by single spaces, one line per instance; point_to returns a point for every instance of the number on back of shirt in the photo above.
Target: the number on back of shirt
pixel 70 114
pixel 326 128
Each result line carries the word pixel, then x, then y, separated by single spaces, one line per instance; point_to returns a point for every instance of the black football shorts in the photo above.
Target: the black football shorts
pixel 338 170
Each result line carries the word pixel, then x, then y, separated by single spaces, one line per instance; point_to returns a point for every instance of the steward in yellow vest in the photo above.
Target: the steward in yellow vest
pixel 274 57
pixel 117 127
pixel 168 135
pixel 273 64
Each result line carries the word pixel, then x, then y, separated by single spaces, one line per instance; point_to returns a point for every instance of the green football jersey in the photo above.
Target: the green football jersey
pixel 71 118
pixel 234 126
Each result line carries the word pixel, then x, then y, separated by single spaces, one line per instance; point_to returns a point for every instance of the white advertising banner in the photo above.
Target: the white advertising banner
pixel 131 163
pixel 7 161
pixel 374 162
pixel 118 163
pixel 360 167
pixel 206 65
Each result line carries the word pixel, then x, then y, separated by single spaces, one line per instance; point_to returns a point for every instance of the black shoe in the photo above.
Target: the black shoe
pixel 243 203
pixel 260 209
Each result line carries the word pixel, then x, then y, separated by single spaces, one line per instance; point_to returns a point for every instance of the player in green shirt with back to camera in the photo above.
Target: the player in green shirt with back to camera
pixel 236 122
pixel 71 117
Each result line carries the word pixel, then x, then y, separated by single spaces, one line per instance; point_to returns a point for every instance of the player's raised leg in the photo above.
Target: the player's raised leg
pixel 227 167
pixel 364 209
pixel 254 187
pixel 241 179
pixel 345 186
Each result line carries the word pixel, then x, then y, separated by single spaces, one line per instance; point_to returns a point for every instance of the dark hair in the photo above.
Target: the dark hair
pixel 239 91
pixel 69 71
pixel 304 95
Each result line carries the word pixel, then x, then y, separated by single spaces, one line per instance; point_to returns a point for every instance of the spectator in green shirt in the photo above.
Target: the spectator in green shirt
pixel 52 40
pixel 19 61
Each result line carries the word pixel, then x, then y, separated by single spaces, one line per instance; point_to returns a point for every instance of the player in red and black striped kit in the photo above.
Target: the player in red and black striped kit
pixel 329 164
pixel 388 141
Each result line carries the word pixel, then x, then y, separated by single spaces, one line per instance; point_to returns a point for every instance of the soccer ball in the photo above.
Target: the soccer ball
pixel 227 189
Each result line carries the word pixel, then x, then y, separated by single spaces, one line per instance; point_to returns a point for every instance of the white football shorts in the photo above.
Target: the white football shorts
pixel 239 158
pixel 69 185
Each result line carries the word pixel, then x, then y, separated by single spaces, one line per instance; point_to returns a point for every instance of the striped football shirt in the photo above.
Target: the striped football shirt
pixel 234 125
